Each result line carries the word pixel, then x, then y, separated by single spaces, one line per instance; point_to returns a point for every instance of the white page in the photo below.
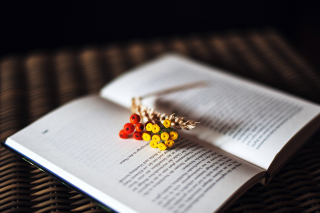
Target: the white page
pixel 79 142
pixel 241 117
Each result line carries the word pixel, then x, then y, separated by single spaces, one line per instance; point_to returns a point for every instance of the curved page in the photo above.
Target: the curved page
pixel 246 119
pixel 79 142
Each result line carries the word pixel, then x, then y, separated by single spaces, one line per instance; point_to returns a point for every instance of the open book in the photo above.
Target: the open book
pixel 246 133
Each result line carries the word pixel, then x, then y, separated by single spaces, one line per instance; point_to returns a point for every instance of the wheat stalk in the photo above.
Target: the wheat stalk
pixel 156 117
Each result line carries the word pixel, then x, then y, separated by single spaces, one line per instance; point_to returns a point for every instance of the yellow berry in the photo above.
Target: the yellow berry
pixel 165 136
pixel 166 123
pixel 173 135
pixel 153 144
pixel 155 128
pixel 146 136
pixel 149 127
pixel 156 138
pixel 169 143
pixel 162 147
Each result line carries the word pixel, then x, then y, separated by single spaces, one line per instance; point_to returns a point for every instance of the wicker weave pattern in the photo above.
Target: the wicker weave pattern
pixel 33 85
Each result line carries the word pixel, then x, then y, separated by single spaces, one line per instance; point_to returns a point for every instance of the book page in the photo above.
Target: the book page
pixel 79 143
pixel 246 119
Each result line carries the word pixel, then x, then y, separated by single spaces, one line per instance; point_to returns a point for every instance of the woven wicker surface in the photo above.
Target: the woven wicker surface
pixel 35 84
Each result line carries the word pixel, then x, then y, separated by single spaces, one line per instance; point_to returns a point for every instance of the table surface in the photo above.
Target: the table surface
pixel 34 84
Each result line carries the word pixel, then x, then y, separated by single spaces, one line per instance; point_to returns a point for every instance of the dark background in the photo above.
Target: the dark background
pixel 36 25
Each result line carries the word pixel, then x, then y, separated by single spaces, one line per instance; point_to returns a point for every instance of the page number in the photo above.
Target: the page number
pixel 45 131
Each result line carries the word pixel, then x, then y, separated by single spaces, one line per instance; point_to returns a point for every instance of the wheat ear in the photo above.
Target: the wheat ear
pixel 156 117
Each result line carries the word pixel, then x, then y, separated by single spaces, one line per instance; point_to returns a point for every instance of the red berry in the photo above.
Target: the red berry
pixel 122 134
pixel 139 127
pixel 135 118
pixel 137 135
pixel 128 128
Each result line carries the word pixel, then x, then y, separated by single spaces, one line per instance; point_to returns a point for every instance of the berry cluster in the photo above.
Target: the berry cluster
pixel 129 128
pixel 162 137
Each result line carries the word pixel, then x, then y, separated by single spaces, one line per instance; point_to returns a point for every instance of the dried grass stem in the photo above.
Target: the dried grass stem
pixel 156 117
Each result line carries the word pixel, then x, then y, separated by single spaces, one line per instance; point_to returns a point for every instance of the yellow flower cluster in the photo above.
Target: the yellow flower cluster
pixel 160 139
